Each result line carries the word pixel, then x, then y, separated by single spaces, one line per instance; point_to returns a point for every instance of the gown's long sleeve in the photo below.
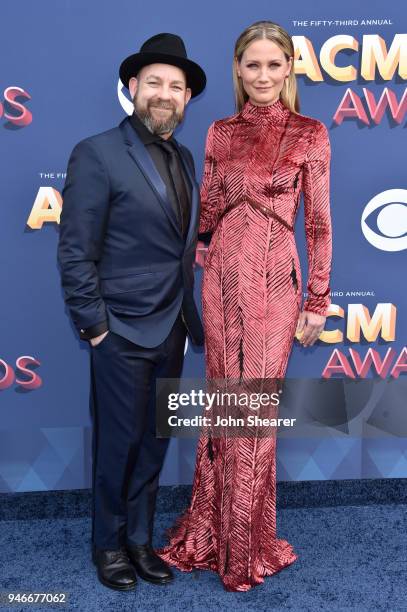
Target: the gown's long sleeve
pixel 210 187
pixel 318 229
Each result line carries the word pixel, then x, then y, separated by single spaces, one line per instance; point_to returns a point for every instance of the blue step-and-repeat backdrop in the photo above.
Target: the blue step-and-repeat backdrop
pixel 59 83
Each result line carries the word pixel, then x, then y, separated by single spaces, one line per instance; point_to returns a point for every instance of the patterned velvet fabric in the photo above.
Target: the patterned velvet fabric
pixel 257 163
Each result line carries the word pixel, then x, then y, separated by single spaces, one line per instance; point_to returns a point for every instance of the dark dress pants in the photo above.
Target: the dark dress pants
pixel 127 456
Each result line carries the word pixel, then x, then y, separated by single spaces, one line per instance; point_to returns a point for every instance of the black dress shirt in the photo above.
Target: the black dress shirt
pixel 160 158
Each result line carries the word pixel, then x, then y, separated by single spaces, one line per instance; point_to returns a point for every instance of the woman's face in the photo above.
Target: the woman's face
pixel 263 68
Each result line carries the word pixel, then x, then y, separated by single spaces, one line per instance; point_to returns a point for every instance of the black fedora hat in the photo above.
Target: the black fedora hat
pixel 164 49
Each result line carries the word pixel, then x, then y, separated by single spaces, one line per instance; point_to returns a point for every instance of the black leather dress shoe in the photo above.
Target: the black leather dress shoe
pixel 114 569
pixel 148 564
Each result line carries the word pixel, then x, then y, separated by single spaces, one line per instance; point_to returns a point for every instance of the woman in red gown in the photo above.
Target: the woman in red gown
pixel 257 163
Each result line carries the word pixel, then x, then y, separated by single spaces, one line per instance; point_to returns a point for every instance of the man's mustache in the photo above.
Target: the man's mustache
pixel 161 104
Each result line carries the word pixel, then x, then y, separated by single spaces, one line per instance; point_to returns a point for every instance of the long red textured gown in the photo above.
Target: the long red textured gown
pixel 257 163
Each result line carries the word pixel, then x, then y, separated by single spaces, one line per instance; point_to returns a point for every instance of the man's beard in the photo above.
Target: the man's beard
pixel 158 126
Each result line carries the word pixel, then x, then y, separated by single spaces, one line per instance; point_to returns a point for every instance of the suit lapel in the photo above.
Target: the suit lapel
pixel 140 155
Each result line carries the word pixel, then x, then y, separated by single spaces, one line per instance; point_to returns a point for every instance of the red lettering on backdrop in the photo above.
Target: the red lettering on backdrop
pixel 34 380
pixel 401 364
pixel 351 106
pixel 10 96
pixel 372 358
pixel 338 363
pixel 7 379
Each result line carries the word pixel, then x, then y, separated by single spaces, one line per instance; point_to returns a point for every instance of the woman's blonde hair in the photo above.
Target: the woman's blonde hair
pixel 271 31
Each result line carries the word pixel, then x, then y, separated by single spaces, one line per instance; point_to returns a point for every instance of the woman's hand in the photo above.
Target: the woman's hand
pixel 311 324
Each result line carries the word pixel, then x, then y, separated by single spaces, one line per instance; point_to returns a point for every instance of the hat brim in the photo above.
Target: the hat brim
pixel 196 78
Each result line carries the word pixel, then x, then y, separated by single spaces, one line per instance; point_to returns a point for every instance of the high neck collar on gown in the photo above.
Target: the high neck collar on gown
pixel 273 113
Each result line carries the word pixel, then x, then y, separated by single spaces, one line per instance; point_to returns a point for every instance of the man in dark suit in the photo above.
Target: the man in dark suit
pixel 128 236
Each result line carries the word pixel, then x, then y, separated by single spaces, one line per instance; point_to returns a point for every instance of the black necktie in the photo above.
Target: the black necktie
pixel 174 164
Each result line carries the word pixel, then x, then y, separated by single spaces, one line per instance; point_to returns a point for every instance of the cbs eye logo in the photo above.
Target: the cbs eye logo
pixel 126 103
pixel 384 220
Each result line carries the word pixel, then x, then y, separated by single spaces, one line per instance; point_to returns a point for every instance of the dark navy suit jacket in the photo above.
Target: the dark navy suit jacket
pixel 121 252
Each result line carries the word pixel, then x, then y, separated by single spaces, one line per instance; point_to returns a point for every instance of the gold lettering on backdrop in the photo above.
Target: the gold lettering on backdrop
pixel 46 208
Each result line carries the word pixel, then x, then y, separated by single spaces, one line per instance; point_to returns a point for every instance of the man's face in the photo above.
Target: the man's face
pixel 160 94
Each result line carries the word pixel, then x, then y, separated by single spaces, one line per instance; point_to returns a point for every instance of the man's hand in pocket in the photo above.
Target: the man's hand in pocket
pixel 98 339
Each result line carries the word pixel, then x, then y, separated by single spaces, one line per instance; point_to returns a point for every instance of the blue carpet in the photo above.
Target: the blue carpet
pixel 351 558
